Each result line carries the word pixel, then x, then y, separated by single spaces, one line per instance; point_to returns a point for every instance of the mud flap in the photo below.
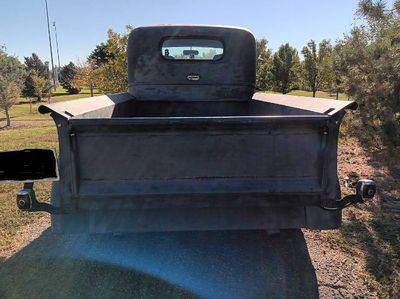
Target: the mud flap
pixel 318 218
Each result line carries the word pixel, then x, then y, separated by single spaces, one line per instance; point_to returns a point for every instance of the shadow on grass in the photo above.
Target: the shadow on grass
pixel 43 270
pixel 378 238
pixel 234 264
pixel 375 229
pixel 27 101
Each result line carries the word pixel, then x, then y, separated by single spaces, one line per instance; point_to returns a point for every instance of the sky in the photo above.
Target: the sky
pixel 81 25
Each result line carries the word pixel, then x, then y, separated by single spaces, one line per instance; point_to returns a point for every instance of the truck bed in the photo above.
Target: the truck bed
pixel 262 104
pixel 161 157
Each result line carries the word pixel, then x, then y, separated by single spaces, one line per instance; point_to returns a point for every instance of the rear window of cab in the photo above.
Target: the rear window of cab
pixel 197 49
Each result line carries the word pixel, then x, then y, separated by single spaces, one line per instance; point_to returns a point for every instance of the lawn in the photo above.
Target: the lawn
pixel 29 129
pixel 26 110
pixel 319 94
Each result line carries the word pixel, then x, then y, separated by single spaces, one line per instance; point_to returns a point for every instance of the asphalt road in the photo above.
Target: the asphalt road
pixel 227 264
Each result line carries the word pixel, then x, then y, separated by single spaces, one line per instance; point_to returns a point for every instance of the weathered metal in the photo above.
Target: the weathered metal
pixel 204 154
pixel 154 78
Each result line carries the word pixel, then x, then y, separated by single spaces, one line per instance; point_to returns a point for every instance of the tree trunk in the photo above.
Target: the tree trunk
pixel 313 93
pixel 8 117
pixel 30 105
pixel 91 90
pixel 337 94
pixel 284 88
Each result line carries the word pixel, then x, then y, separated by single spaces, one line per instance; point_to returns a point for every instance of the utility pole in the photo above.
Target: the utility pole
pixel 58 53
pixel 51 48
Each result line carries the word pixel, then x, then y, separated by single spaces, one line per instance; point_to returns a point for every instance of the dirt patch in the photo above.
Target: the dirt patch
pixel 24 124
pixel 361 259
pixel 339 274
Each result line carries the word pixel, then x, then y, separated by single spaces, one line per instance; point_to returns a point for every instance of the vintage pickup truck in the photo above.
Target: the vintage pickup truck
pixel 189 146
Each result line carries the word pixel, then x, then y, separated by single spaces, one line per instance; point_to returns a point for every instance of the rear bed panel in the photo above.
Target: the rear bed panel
pixel 260 157
pixel 147 161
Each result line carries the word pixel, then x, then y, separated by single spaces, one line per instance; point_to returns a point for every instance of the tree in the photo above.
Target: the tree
pixel 100 55
pixel 28 89
pixel 34 65
pixel 310 66
pixel 285 65
pixel 338 70
pixel 85 76
pixel 41 86
pixel 67 76
pixel 264 65
pixel 317 66
pixel 113 75
pixel 11 79
pixel 371 55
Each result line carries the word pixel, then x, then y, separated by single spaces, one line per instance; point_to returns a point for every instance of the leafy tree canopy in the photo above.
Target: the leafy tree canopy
pixel 264 65
pixel 67 76
pixel 34 65
pixel 285 65
pixel 12 74
pixel 317 65
pixel 370 62
pixel 113 75
pixel 101 55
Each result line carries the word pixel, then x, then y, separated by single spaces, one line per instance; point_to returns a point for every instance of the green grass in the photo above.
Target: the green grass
pixel 11 218
pixel 28 111
pixel 319 94
pixel 42 135
pixel 85 91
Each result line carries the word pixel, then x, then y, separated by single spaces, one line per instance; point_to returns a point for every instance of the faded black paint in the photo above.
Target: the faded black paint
pixel 152 77
pixel 174 154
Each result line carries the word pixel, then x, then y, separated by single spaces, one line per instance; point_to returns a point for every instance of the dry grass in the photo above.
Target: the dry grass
pixel 372 231
pixel 34 136
pixel 29 129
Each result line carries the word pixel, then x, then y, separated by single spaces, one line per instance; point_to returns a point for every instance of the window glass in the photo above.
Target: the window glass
pixel 192 49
